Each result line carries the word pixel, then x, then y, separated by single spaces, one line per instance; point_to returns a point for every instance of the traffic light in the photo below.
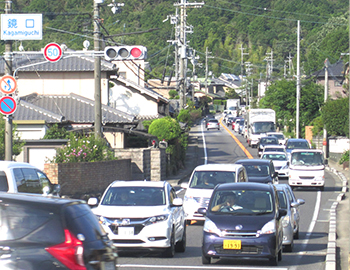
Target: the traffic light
pixel 125 53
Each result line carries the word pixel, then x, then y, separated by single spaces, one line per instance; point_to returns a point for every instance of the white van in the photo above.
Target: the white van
pixel 306 168
pixel 202 182
pixel 24 177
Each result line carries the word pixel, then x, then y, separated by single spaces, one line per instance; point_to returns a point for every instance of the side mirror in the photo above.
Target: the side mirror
pixel 184 185
pixel 92 201
pixel 177 202
pixel 202 211
pixel 300 201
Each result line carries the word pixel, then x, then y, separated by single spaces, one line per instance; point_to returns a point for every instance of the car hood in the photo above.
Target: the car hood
pixel 259 179
pixel 129 211
pixel 247 223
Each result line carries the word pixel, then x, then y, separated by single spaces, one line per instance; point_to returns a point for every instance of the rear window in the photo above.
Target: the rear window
pixel 209 179
pixel 213 121
pixel 31 180
pixel 77 216
pixel 19 220
pixel 257 170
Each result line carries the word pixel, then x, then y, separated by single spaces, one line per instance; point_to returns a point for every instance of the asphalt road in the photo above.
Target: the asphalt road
pixel 309 251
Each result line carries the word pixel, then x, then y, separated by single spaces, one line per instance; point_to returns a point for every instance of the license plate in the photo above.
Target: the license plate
pixel 108 265
pixel 232 244
pixel 126 231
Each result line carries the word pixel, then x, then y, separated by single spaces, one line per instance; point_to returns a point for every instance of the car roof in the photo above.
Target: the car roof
pixel 218 167
pixel 138 183
pixel 36 199
pixel 244 185
pixel 274 153
pixel 307 150
pixel 277 133
pixel 281 186
pixel 253 161
pixel 269 137
pixel 296 140
pixel 15 164
pixel 276 146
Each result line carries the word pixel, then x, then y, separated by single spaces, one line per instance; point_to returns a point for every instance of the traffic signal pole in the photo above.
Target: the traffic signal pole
pixel 8 71
pixel 97 70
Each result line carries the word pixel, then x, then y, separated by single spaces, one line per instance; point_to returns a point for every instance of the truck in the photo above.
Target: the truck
pixel 306 168
pixel 233 106
pixel 259 122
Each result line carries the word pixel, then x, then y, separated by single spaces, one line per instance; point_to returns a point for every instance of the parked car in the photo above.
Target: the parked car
pixel 292 144
pixel 279 135
pixel 233 124
pixel 142 215
pixel 207 117
pixel 243 220
pixel 291 220
pixel 264 141
pixel 260 170
pixel 229 118
pixel 213 124
pixel 202 182
pixel 25 178
pixel 280 161
pixel 46 232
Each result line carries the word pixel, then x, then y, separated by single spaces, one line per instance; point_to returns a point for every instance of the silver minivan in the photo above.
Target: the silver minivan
pixel 202 182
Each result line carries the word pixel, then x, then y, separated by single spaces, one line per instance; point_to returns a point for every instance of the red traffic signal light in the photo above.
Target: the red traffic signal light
pixel 125 53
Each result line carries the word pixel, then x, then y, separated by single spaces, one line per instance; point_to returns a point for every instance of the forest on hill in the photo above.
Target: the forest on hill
pixel 264 28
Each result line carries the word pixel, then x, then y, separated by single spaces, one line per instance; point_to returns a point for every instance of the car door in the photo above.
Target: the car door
pixel 176 213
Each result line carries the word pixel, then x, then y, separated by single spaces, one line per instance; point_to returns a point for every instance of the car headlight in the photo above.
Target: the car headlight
pixel 268 228
pixel 210 227
pixel 285 221
pixel 104 221
pixel 156 219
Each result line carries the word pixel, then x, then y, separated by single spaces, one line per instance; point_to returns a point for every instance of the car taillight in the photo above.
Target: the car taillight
pixel 70 252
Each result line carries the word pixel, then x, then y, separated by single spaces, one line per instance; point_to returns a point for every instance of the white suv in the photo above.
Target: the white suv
pixel 202 182
pixel 142 215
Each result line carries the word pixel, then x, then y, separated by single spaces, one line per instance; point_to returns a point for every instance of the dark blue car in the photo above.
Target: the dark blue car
pixel 243 220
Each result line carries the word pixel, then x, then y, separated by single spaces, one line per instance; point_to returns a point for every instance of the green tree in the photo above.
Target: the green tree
pixel 335 115
pixel 17 144
pixel 165 128
pixel 56 132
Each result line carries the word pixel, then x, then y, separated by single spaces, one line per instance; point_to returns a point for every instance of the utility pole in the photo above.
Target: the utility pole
pixel 207 53
pixel 182 42
pixel 324 143
pixel 97 69
pixel 298 81
pixel 8 71
pixel 270 64
pixel 242 61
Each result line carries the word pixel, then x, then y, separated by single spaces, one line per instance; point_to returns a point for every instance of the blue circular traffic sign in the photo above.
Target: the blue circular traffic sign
pixel 8 105
pixel 52 52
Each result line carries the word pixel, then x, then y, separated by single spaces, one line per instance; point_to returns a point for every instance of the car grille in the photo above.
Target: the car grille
pixel 306 177
pixel 235 234
pixel 137 228
pixel 245 250
pixel 137 223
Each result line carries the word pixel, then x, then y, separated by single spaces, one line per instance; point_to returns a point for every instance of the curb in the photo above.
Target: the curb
pixel 331 257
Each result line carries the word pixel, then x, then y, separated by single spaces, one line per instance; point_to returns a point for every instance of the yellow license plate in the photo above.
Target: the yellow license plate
pixel 232 244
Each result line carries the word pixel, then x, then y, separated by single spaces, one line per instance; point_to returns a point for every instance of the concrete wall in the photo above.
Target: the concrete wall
pixel 77 179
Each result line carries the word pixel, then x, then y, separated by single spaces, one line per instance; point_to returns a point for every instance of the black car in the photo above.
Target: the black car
pixel 51 233
pixel 243 220
pixel 260 170
pixel 268 140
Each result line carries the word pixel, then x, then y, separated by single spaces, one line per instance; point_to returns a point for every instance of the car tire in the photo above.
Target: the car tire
pixel 170 251
pixel 279 257
pixel 273 261
pixel 205 259
pixel 296 235
pixel 181 245
pixel 289 248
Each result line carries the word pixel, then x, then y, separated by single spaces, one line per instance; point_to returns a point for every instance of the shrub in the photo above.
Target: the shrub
pixel 344 157
pixel 83 148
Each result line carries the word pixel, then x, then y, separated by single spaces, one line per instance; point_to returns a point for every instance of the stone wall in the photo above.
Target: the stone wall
pixel 77 179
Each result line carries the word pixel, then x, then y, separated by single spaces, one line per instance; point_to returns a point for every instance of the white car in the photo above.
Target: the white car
pixel 280 136
pixel 280 161
pixel 202 182
pixel 274 148
pixel 142 215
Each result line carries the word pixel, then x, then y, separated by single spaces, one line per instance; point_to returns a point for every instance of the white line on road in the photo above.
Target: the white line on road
pixel 204 146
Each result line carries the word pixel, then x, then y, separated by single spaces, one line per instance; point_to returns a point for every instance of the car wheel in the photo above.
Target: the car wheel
pixel 296 235
pixel 289 248
pixel 280 255
pixel 170 251
pixel 205 259
pixel 181 245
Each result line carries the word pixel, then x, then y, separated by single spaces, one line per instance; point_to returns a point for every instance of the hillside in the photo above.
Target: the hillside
pixel 264 28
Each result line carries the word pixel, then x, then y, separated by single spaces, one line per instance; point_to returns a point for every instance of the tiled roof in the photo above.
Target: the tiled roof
pixel 72 108
pixel 334 70
pixel 35 61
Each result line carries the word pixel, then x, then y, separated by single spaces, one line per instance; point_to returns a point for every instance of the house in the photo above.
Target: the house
pixel 335 79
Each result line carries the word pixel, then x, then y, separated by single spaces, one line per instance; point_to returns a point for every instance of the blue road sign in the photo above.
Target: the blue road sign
pixel 8 105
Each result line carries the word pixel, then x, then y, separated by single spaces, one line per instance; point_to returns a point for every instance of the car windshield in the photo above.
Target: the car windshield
pixel 281 157
pixel 257 170
pixel 138 196
pixel 251 202
pixel 298 145
pixel 209 179
pixel 307 158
